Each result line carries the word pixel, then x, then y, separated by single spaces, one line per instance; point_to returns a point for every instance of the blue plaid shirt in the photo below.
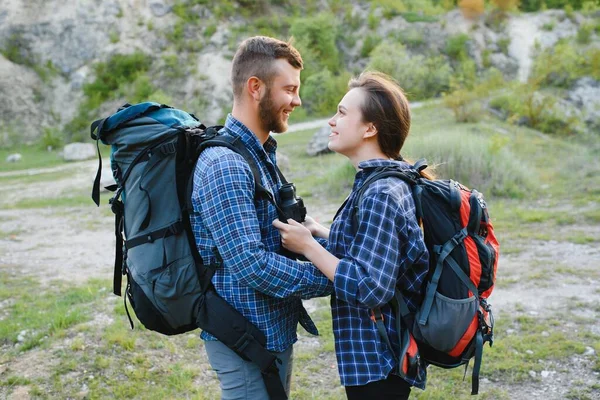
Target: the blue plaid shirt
pixel 386 252
pixel 264 286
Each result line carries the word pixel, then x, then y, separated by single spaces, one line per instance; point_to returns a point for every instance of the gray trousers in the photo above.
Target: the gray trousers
pixel 242 380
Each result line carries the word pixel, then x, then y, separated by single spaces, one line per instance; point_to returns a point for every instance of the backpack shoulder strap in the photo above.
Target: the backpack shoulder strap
pixel 236 145
pixel 381 173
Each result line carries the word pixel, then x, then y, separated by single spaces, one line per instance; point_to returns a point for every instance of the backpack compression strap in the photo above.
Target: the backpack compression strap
pixel 96 130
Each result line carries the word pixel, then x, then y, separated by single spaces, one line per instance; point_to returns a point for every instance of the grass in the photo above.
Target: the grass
pixel 52 202
pixel 117 362
pixel 72 346
pixel 33 157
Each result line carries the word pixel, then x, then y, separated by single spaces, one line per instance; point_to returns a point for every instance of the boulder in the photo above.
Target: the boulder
pixel 16 157
pixel 585 95
pixel 79 151
pixel 318 143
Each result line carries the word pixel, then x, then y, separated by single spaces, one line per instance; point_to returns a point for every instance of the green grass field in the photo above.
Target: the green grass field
pixel 64 340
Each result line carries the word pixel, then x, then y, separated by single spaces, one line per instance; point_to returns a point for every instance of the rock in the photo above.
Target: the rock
pixel 585 95
pixel 79 151
pixel 508 66
pixel 16 157
pixel 159 8
pixel 546 374
pixel 532 374
pixel 589 351
pixel 523 121
pixel 318 143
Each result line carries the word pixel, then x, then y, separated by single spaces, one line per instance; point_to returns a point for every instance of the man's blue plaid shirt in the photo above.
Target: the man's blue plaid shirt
pixel 386 252
pixel 264 286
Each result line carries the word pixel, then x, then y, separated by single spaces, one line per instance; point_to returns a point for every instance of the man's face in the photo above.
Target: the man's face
pixel 280 97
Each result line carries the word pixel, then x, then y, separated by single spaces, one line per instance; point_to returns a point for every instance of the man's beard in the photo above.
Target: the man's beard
pixel 269 114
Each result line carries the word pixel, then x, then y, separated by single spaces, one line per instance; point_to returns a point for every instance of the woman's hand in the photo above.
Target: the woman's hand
pixel 315 228
pixel 294 236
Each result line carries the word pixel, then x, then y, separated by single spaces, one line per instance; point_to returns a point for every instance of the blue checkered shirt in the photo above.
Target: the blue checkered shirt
pixel 386 252
pixel 265 287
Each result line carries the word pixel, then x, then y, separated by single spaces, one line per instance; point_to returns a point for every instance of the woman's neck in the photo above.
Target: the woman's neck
pixel 365 153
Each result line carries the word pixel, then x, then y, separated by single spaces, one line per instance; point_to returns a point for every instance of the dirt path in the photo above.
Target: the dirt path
pixel 75 244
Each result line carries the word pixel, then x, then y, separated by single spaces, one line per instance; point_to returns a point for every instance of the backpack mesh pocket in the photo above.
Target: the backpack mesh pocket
pixel 451 316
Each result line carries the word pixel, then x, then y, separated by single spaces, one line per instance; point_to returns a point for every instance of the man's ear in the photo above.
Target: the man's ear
pixel 371 131
pixel 255 87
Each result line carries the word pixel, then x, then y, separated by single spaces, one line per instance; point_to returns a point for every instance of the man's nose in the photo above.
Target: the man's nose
pixel 296 102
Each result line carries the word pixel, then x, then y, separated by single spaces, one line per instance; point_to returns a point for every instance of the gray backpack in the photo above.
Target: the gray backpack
pixel 154 152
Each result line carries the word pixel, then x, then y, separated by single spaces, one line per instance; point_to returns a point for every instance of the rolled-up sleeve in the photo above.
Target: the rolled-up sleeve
pixel 226 189
pixel 368 274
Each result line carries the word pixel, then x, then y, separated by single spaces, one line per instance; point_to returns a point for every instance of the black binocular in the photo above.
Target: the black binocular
pixel 291 205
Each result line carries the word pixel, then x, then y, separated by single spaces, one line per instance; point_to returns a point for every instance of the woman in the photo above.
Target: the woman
pixel 385 251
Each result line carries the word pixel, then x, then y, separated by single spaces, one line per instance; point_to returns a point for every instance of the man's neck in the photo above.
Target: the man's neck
pixel 250 118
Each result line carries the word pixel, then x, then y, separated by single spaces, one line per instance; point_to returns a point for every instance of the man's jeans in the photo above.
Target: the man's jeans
pixel 242 380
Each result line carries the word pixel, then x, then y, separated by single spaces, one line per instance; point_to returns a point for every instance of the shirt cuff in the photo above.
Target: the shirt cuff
pixel 345 284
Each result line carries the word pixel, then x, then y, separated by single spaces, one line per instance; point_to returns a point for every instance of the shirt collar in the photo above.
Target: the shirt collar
pixel 238 129
pixel 378 162
pixel 368 166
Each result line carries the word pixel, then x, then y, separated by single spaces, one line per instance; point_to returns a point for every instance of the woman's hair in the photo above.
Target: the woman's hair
pixel 385 106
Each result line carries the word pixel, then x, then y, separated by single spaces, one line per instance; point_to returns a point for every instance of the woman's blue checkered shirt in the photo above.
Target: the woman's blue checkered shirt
pixel 387 251
pixel 264 286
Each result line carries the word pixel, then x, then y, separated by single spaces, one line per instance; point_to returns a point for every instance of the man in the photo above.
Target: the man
pixel 233 227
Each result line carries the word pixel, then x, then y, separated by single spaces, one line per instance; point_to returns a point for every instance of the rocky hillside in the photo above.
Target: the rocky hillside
pixel 60 65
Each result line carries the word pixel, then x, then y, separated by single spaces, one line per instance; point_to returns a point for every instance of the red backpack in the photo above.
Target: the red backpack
pixel 454 320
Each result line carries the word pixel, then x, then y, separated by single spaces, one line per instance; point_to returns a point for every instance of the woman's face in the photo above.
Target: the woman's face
pixel 347 126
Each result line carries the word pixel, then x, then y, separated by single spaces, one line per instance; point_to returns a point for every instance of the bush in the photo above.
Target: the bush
pixel 421 77
pixel 122 75
pixel 584 33
pixel 471 8
pixel 112 74
pixel 591 64
pixel 390 8
pixel 456 46
pixel 321 92
pixel 411 38
pixel 467 94
pixel 506 5
pixel 51 139
pixel 464 104
pixel 559 66
pixel 370 42
pixel 536 5
pixel 315 39
pixel 527 105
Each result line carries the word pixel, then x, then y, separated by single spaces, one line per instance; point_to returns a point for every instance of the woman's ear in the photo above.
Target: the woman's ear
pixel 255 87
pixel 371 131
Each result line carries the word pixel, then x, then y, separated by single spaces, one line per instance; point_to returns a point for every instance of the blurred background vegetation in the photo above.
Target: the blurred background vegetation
pixel 451 70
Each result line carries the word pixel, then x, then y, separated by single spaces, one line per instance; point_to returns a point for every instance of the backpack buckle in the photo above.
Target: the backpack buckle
pixel 168 148
pixel 375 318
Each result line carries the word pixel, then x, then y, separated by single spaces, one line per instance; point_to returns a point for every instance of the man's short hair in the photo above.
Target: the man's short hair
pixel 255 57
